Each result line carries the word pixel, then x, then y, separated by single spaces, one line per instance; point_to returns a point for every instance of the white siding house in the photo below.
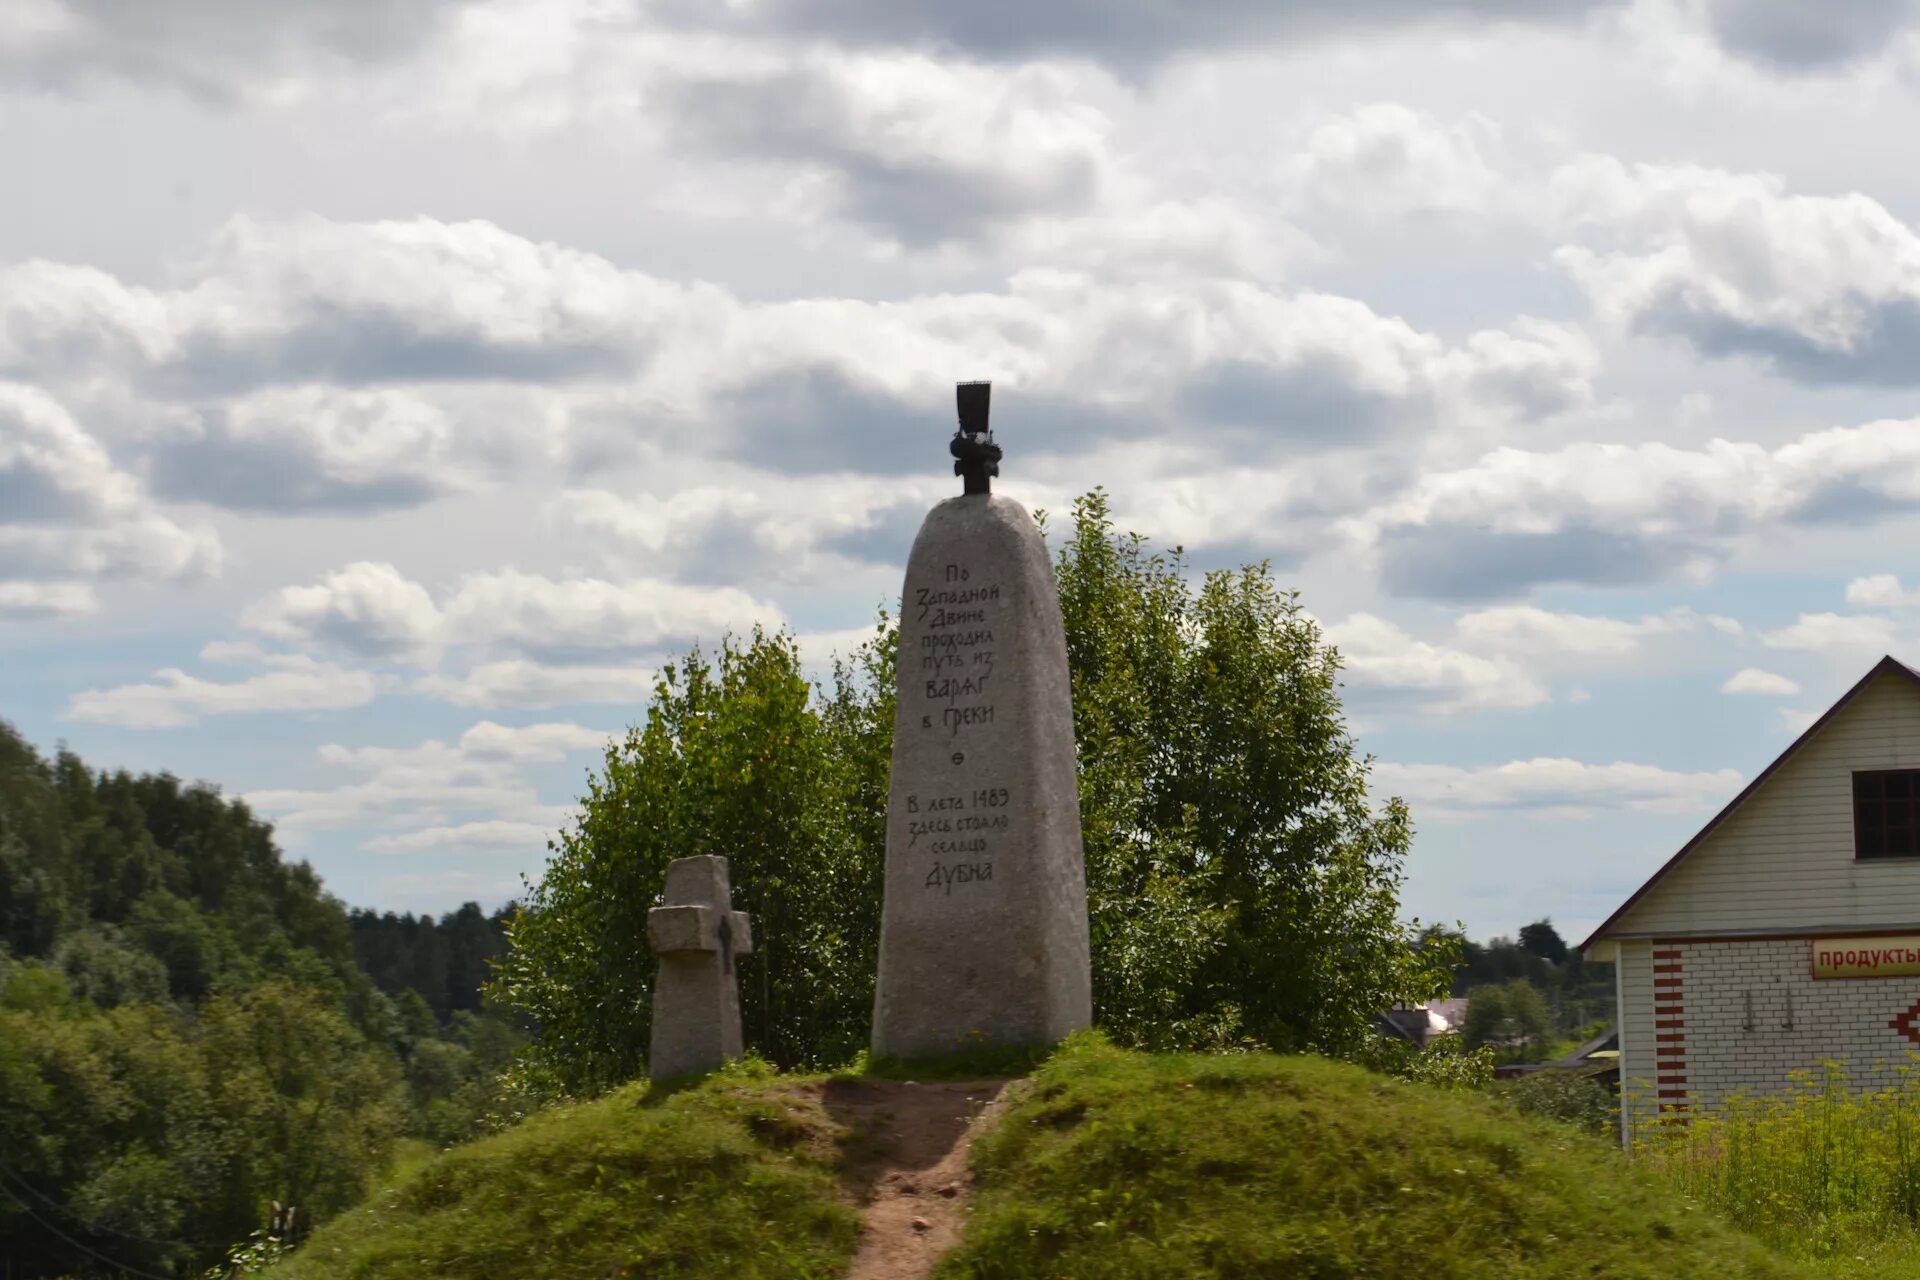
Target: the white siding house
pixel 1717 956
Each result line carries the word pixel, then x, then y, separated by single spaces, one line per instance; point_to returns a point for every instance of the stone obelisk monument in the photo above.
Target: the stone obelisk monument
pixel 984 936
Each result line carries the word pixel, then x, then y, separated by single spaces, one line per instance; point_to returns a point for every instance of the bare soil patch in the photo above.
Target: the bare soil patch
pixel 905 1163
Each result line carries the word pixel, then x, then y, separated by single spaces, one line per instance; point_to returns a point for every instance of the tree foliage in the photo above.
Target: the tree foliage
pixel 1511 1015
pixel 1541 939
pixel 735 757
pixel 446 961
pixel 1241 884
pixel 1242 888
pixel 185 1037
pixel 1579 994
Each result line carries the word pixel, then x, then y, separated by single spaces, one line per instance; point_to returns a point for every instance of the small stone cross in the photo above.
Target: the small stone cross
pixel 696 997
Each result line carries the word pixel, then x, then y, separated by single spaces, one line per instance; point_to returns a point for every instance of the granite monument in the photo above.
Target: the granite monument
pixel 983 937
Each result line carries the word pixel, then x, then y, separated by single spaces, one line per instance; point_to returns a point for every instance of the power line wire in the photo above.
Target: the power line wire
pixel 91 1229
pixel 91 1253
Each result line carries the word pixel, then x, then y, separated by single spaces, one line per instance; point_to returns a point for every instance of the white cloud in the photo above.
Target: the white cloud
pixel 314 447
pixel 1386 666
pixel 1880 591
pixel 1606 514
pixel 1858 636
pixel 490 832
pixel 366 608
pixel 534 742
pixel 1552 788
pixel 541 617
pixel 518 682
pixel 1799 719
pixel 433 794
pixel 1386 160
pixel 1499 658
pixel 917 148
pixel 1766 684
pixel 373 609
pixel 32 600
pixel 66 511
pixel 1134 36
pixel 295 683
pixel 318 365
pixel 1824 288
pixel 307 301
pixel 1544 638
pixel 818 649
pixel 754 524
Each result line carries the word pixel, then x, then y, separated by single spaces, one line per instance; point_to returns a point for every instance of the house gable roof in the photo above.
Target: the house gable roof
pixel 1886 666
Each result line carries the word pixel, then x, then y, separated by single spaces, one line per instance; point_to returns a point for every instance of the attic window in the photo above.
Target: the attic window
pixel 1886 814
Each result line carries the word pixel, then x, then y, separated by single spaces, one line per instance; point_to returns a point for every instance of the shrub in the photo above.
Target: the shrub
pixel 1571 1097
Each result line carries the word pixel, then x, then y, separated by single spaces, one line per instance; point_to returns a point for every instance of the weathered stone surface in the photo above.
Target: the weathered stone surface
pixel 698 881
pixel 984 935
pixel 693 928
pixel 696 994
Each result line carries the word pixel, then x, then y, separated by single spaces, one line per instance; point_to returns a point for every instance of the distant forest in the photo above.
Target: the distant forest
pixel 445 960
pixel 193 1031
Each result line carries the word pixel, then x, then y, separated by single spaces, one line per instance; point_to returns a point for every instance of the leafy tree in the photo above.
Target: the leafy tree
pixel 1541 939
pixel 319 1106
pixel 1486 1015
pixel 1511 1016
pixel 1230 838
pixel 100 966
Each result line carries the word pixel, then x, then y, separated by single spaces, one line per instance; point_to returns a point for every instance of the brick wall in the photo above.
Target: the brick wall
pixel 1729 1016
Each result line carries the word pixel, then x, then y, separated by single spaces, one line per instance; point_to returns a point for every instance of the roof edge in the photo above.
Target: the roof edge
pixel 1886 666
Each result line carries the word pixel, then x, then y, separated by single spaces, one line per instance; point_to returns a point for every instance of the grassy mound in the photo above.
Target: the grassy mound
pixel 1111 1164
pixel 1124 1165
pixel 733 1178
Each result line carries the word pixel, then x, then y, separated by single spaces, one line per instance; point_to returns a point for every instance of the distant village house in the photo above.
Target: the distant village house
pixel 1787 932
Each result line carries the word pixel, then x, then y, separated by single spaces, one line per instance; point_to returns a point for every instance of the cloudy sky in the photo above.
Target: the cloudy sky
pixel 388 386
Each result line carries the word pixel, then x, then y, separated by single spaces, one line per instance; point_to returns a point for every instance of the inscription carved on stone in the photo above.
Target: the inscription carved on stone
pixel 984 936
pixel 696 994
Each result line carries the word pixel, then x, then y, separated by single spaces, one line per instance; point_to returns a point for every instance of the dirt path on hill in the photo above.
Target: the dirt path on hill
pixel 907 1166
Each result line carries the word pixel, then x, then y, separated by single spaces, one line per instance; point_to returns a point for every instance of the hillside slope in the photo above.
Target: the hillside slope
pixel 1109 1163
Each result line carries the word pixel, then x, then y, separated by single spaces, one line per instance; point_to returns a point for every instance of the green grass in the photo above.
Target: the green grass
pixel 1828 1171
pixel 734 1177
pixel 1126 1166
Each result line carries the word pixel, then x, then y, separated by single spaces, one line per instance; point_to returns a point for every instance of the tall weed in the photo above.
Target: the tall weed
pixel 1829 1167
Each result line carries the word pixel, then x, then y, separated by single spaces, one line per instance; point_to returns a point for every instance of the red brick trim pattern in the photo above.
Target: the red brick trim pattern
pixel 1670 1023
pixel 1904 1023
